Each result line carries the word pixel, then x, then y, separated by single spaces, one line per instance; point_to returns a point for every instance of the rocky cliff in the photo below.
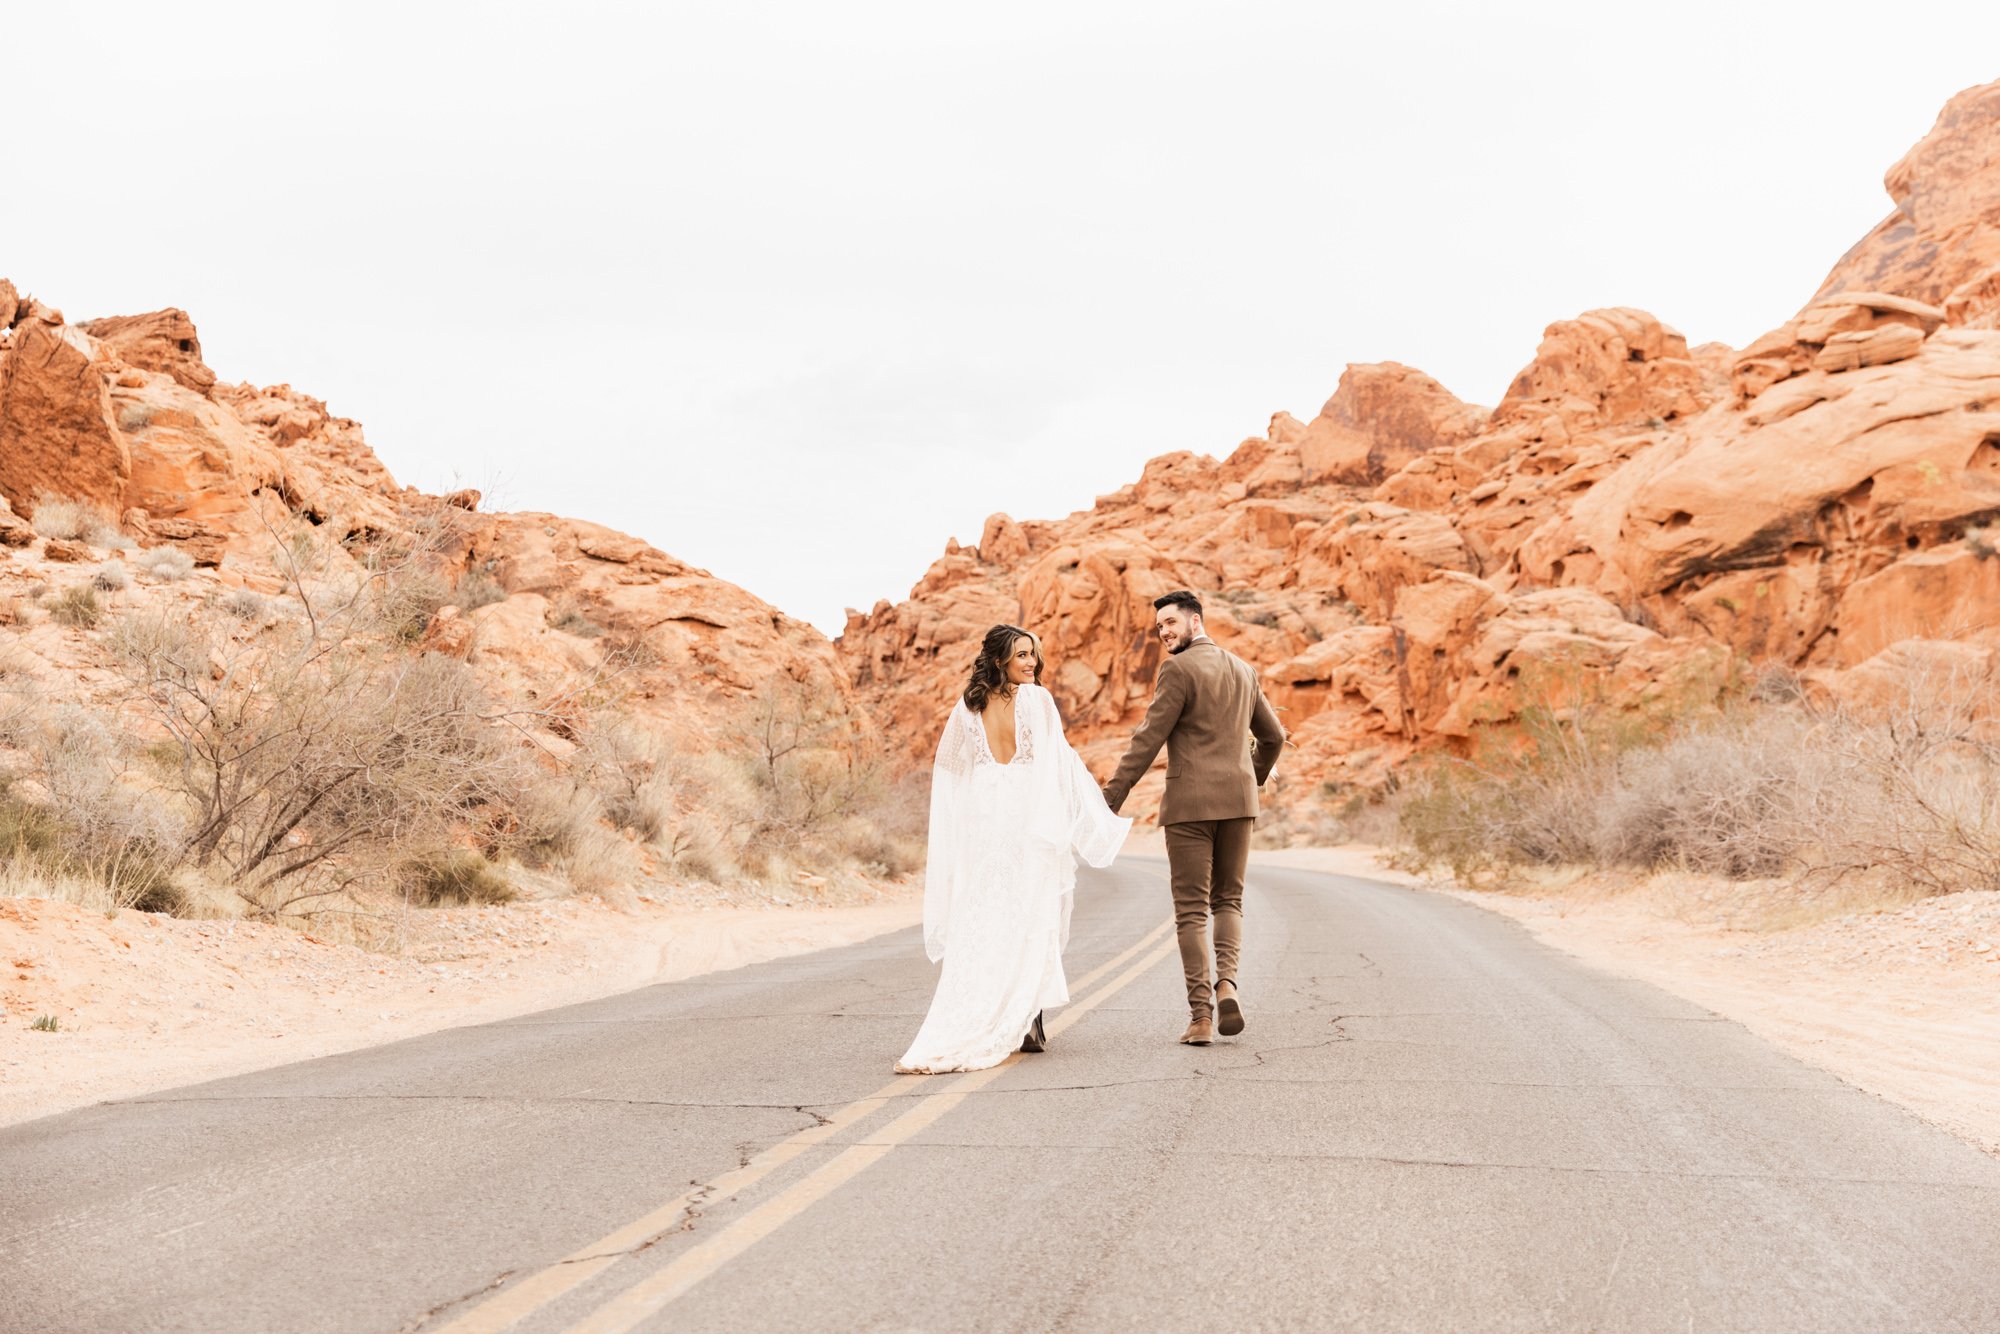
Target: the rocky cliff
pixel 123 416
pixel 1636 518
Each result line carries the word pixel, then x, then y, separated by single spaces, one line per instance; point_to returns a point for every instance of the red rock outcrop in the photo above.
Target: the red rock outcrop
pixel 1943 239
pixel 1635 522
pixel 122 414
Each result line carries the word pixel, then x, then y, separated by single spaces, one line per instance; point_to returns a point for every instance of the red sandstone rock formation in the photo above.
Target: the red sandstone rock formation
pixel 122 414
pixel 1636 519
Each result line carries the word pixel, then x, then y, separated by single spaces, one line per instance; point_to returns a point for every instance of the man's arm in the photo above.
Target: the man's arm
pixel 1170 693
pixel 1269 735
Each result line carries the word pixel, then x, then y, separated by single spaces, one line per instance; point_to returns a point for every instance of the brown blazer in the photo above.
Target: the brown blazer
pixel 1221 734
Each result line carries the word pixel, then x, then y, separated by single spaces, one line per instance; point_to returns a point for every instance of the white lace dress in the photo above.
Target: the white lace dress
pixel 999 882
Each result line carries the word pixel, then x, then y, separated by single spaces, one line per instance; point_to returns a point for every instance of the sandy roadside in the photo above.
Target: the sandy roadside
pixel 145 1002
pixel 1902 1002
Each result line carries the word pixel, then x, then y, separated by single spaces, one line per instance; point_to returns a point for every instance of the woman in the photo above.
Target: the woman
pixel 1012 807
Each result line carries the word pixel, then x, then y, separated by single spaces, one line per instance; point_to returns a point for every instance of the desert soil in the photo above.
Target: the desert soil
pixel 144 1002
pixel 1903 1000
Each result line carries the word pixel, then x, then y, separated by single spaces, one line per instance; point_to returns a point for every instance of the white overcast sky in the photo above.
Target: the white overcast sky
pixel 796 292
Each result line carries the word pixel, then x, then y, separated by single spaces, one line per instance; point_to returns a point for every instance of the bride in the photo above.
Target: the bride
pixel 1012 807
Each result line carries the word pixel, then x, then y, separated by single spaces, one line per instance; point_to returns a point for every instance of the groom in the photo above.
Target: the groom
pixel 1208 711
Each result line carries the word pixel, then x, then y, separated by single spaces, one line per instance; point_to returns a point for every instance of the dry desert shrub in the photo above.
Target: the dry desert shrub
pixel 73 520
pixel 317 755
pixel 477 588
pixel 65 519
pixel 456 876
pixel 1901 792
pixel 556 822
pixel 308 756
pixel 818 794
pixel 166 564
pixel 245 605
pixel 1722 796
pixel 76 607
pixel 632 771
pixel 568 614
pixel 76 818
pixel 1921 803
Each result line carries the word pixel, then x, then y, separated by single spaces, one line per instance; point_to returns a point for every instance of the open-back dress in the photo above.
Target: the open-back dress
pixel 1000 881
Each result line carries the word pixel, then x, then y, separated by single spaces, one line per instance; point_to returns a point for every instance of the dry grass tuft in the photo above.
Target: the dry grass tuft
pixel 77 607
pixel 459 875
pixel 166 564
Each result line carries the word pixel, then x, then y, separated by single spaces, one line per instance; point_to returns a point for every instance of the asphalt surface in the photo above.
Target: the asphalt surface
pixel 1431 1123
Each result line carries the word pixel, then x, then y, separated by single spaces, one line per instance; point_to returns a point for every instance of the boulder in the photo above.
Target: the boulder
pixel 1380 417
pixel 1001 541
pixel 163 340
pixel 1856 312
pixel 58 434
pixel 1868 347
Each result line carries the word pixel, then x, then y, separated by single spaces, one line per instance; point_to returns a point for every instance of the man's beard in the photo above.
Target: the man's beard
pixel 1180 643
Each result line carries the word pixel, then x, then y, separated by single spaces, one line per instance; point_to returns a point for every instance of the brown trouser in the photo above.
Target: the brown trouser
pixel 1205 862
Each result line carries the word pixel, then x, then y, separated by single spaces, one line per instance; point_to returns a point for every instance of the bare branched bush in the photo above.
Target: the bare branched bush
pixel 816 793
pixel 632 771
pixel 556 821
pixel 111 576
pixel 318 754
pixel 1902 788
pixel 303 752
pixel 1924 803
pixel 1722 797
pixel 79 814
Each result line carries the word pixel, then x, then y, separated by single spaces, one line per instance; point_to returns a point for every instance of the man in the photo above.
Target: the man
pixel 1208 711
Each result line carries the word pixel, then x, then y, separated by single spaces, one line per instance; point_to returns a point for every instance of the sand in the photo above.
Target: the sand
pixel 144 1002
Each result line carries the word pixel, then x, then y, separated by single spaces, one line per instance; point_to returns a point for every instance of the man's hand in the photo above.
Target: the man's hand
pixel 1110 800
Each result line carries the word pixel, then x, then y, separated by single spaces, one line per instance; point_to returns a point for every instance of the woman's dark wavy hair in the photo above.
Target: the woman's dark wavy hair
pixel 989 672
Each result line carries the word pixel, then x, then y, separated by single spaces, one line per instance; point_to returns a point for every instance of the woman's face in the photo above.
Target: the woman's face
pixel 1021 662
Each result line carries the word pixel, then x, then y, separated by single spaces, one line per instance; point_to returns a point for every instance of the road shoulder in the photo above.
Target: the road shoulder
pixel 143 1001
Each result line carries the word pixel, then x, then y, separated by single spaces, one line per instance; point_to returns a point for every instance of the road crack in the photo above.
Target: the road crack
pixel 419 1321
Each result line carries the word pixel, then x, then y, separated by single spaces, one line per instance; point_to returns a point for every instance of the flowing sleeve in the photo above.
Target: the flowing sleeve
pixel 1069 810
pixel 944 860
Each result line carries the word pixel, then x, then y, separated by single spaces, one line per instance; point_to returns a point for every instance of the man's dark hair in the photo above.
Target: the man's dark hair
pixel 1179 598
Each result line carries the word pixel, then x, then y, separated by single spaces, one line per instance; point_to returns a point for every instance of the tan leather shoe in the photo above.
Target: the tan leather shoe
pixel 1200 1032
pixel 1228 1011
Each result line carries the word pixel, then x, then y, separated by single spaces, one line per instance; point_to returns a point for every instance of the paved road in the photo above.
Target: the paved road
pixel 1432 1123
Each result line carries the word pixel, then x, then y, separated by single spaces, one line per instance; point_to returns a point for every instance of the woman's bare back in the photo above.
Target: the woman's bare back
pixel 998 720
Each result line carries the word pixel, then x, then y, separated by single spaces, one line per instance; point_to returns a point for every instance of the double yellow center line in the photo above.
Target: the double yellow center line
pixel 625 1311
